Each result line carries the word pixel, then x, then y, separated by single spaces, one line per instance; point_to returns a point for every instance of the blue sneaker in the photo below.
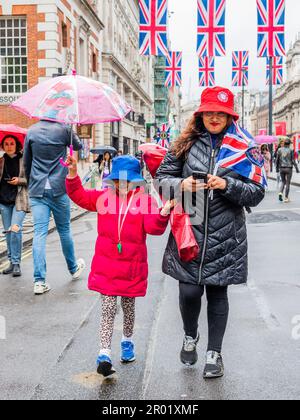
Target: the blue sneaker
pixel 127 349
pixel 105 367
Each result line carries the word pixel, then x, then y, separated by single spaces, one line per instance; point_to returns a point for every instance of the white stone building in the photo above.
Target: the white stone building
pixel 187 111
pixel 250 101
pixel 287 98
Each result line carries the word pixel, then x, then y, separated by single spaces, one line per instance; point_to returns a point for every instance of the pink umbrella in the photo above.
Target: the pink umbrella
pixel 73 99
pixel 265 139
pixel 12 129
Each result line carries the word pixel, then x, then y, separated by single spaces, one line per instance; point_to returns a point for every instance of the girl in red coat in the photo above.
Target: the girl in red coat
pixel 126 214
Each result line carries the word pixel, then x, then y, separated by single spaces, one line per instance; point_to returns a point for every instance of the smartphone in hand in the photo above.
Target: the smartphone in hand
pixel 200 176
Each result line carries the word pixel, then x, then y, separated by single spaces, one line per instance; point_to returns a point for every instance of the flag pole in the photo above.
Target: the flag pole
pixel 271 107
pixel 271 98
pixel 243 99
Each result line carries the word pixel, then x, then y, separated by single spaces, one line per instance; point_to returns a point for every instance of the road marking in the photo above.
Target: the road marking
pixel 152 342
pixel 263 307
pixel 286 208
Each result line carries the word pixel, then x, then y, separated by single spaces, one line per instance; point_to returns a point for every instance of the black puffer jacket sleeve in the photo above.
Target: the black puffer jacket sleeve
pixel 243 193
pixel 169 177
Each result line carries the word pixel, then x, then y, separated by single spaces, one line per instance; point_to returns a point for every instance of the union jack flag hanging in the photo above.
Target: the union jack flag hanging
pixel 211 28
pixel 173 69
pixel 240 68
pixel 271 28
pixel 163 135
pixel 207 72
pixel 277 71
pixel 153 27
pixel 240 154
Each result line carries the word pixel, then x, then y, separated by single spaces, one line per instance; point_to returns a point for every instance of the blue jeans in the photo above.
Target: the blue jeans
pixel 41 209
pixel 11 217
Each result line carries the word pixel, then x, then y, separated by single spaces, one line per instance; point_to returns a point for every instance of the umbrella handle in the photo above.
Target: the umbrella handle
pixel 62 162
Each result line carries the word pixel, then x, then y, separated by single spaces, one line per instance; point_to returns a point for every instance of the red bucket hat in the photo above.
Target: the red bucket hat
pixel 217 99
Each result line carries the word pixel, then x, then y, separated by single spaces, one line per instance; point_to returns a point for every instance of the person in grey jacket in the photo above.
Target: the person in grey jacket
pixel 221 234
pixel 46 143
pixel 285 161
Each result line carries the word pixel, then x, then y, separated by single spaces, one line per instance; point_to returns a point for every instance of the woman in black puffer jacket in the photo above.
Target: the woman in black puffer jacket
pixel 221 234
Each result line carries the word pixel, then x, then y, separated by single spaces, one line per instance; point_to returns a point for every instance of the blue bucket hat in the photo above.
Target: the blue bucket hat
pixel 125 168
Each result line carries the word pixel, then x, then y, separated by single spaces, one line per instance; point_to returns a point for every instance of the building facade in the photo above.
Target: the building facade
pixel 40 39
pixel 286 101
pixel 259 114
pixel 161 94
pixel 250 100
pixel 287 98
pixel 187 110
pixel 127 72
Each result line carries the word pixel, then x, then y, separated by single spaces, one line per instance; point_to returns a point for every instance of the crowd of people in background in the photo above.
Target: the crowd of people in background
pixel 284 160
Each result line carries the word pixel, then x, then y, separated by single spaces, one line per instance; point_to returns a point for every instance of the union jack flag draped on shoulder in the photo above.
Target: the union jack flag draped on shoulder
pixel 173 69
pixel 271 28
pixel 163 135
pixel 211 28
pixel 153 27
pixel 207 72
pixel 277 71
pixel 240 154
pixel 240 68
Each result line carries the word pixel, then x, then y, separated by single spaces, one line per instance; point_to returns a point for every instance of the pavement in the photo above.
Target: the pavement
pixel 295 179
pixel 52 340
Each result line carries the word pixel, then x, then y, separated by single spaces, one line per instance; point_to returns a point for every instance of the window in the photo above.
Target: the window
pixel 13 55
pixel 64 29
pixel 94 62
pixel 135 146
pixel 126 142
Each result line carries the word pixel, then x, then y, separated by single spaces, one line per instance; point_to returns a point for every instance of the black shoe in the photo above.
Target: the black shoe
pixel 8 270
pixel 16 270
pixel 105 367
pixel 214 367
pixel 188 355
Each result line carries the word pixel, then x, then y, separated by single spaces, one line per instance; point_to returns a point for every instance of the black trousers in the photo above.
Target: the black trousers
pixel 286 179
pixel 190 297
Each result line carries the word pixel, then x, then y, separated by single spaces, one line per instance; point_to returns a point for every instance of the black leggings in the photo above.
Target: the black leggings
pixel 190 297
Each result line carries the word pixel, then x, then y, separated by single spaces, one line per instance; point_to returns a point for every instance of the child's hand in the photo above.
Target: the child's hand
pixel 72 166
pixel 170 204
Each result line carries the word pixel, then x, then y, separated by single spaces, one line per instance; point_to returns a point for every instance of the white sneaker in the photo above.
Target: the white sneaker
pixel 40 288
pixel 80 269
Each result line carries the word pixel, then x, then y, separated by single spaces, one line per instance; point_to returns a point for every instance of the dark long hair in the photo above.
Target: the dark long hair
pixel 18 144
pixel 190 135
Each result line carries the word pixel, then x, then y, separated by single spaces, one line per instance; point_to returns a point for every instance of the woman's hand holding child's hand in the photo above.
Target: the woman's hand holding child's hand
pixel 72 166
pixel 166 210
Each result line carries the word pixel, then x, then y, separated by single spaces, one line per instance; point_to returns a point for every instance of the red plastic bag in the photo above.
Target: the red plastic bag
pixel 187 245
pixel 153 156
pixel 181 227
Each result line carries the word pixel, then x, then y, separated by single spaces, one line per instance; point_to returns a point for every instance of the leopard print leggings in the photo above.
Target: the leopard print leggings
pixel 109 311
